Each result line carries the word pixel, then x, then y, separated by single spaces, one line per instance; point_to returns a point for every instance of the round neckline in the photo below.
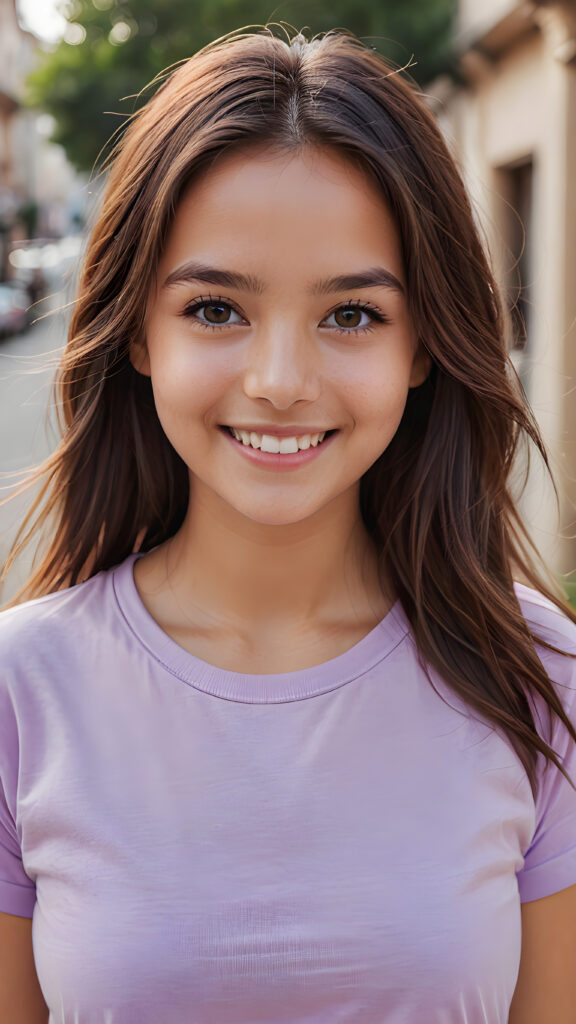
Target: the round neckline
pixel 269 688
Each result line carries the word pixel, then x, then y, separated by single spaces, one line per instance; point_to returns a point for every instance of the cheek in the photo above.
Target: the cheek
pixel 187 379
pixel 377 399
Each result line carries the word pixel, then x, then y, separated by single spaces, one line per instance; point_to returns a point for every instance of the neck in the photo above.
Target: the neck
pixel 225 568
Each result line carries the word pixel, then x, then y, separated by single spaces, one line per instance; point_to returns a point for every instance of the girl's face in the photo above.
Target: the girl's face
pixel 280 309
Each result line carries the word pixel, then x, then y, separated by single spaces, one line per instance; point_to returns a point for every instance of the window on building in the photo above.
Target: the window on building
pixel 515 186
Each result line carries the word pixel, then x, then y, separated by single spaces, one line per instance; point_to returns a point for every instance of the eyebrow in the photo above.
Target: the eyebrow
pixel 375 277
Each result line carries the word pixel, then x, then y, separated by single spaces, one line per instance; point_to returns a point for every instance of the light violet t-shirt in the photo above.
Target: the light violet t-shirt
pixel 334 845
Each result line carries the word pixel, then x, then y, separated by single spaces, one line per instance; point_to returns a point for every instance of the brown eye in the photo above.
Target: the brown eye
pixel 216 313
pixel 212 313
pixel 350 317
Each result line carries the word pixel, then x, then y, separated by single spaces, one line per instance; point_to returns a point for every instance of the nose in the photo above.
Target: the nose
pixel 283 366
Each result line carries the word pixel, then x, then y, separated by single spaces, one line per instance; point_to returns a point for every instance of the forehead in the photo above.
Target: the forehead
pixel 315 205
pixel 311 160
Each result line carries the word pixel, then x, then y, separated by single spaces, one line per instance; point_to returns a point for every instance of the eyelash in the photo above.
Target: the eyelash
pixel 373 311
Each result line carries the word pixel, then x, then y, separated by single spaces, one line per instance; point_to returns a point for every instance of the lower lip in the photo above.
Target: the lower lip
pixel 271 460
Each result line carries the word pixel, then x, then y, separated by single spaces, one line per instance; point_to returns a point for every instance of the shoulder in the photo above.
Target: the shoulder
pixel 34 632
pixel 548 623
pixel 555 639
pixel 30 615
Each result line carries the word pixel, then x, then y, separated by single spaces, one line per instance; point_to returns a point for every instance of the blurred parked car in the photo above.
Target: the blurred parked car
pixel 14 302
pixel 52 261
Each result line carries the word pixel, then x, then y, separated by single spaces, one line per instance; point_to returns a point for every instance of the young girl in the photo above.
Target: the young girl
pixel 287 713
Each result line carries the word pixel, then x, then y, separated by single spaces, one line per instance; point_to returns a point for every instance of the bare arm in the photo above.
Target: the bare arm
pixel 546 988
pixel 21 999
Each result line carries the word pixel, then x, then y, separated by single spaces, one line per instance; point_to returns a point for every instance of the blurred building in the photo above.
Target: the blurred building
pixel 16 49
pixel 510 119
pixel 40 194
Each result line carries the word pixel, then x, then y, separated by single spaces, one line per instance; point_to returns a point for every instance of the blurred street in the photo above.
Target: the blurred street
pixel 27 421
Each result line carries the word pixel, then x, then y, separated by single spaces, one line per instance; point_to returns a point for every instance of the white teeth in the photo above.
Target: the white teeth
pixel 288 446
pixel 270 444
pixel 277 445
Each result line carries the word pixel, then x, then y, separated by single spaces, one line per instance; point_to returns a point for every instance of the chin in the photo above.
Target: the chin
pixel 277 520
pixel 275 517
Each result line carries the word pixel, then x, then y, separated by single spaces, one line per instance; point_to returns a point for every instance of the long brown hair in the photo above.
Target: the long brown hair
pixel 437 502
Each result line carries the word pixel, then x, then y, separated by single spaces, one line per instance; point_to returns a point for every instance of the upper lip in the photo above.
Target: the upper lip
pixel 293 431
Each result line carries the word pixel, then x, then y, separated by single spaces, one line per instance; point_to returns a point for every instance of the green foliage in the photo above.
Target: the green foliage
pixel 91 87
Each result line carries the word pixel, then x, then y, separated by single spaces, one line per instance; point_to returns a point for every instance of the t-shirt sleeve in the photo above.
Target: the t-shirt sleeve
pixel 550 860
pixel 17 890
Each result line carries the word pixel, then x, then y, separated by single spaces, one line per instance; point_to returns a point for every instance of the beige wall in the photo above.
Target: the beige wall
pixel 519 105
pixel 569 322
pixel 478 15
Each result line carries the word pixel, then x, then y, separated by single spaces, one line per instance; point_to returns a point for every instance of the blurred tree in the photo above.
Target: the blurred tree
pixel 113 48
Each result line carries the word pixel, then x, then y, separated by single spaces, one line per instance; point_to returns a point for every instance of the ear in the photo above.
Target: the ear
pixel 421 366
pixel 138 353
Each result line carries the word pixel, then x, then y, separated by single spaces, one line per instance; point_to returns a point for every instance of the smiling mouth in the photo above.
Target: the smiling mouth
pixel 255 440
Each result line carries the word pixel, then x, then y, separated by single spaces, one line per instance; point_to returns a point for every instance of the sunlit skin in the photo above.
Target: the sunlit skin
pixel 274 569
